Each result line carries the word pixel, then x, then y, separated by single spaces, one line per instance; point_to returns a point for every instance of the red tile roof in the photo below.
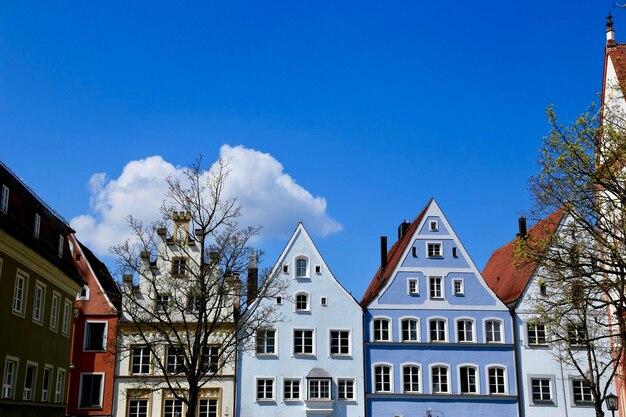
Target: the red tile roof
pixel 393 258
pixel 507 278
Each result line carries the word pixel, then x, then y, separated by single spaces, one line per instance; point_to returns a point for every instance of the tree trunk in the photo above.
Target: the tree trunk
pixel 193 401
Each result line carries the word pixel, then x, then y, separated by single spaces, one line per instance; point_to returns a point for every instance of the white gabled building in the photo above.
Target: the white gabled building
pixel 311 362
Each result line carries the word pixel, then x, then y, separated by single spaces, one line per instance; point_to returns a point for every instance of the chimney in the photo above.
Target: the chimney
pixel 253 277
pixel 404 226
pixel 383 252
pixel 610 33
pixel 521 222
pixel 127 280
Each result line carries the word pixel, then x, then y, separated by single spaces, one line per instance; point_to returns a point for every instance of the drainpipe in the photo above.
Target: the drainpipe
pixel 564 386
pixel 517 353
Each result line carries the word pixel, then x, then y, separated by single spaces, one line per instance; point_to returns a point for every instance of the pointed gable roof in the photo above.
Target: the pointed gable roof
pixel 501 273
pixel 394 256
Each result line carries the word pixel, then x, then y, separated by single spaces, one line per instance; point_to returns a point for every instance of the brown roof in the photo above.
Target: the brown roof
pixel 393 258
pixel 507 278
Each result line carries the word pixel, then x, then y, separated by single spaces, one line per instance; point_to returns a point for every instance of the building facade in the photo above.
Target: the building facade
pixel 549 383
pixel 311 361
pixel 38 285
pixel 97 309
pixel 438 341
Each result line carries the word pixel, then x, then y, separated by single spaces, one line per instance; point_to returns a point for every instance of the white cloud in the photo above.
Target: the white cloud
pixel 269 197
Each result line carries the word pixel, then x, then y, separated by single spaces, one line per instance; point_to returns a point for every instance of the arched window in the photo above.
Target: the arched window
pixel 302 269
pixel 493 331
pixel 440 382
pixel 411 378
pixel 437 329
pixel 382 378
pixel 469 380
pixel 409 330
pixel 497 380
pixel 302 302
pixel 465 330
pixel 381 330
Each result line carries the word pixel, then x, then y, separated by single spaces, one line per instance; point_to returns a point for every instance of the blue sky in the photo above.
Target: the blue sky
pixel 373 107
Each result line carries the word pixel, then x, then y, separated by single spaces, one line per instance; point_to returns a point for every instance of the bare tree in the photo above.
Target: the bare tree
pixel 183 303
pixel 583 265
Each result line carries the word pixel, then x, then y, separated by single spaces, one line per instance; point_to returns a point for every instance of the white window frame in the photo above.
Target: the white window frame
pixel 486 332
pixel 264 351
pixel 415 283
pixel 307 269
pixel 138 400
pixel 4 199
pixel 488 368
pixel 324 301
pixel 391 376
pixel 256 389
pixel 330 338
pixel 389 329
pixel 448 378
pixel 85 297
pixel 541 402
pixel 433 225
pixel 313 343
pixel 20 300
pixel 461 283
pixel 9 387
pixel 55 309
pixel 39 303
pixel 420 380
pixel 319 382
pixel 401 321
pixel 176 404
pixel 46 390
pixel 434 256
pixel 583 386
pixel 141 362
pixel 477 383
pixel 351 381
pixel 472 333
pixel 67 318
pixel 59 385
pixel 445 328
pixel 30 394
pixel 291 390
pixel 308 302
pixel 432 284
pixel 104 336
pixel 536 344
pixel 174 360
pixel 80 390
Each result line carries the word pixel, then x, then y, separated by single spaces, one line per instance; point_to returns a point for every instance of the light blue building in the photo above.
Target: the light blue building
pixel 438 341
pixel 310 362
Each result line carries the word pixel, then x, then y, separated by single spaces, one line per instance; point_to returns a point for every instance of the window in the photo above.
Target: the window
pixel 412 286
pixel 140 362
pixel 339 342
pixel 411 378
pixel 175 360
pixel 319 389
pixel 465 331
pixel 67 309
pixel 454 252
pixel 434 226
pixel 45 384
pixel 582 392
pixel 37 225
pixel 543 289
pixel 439 379
pixel 576 334
pixel 173 408
pixel 468 375
pixel 91 390
pixel 162 302
pixel 382 378
pixel 10 375
pixel 291 389
pixel 409 330
pixel 536 334
pixel 496 380
pixel 318 269
pixel 541 390
pixel 458 287
pixel 437 330
pixel 137 408
pixel 207 407
pixel 59 386
pixel 266 342
pixel 436 288
pixel 179 266
pixel 264 389
pixel 83 295
pixel 302 302
pixel 60 248
pixel 29 381
pixel 324 301
pixel 38 301
pixel 493 331
pixel 95 336
pixel 4 199
pixel 194 302
pixel 303 342
pixel 19 294
pixel 285 269
pixel 381 330
pixel 54 311
pixel 279 300
pixel 301 268
pixel 210 358
pixel 345 389
pixel 434 250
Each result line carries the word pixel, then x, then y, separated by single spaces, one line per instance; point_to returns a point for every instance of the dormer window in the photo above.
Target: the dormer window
pixel 83 295
pixel 60 248
pixel 37 225
pixel 434 250
pixel 4 199
pixel 302 268
pixel 434 226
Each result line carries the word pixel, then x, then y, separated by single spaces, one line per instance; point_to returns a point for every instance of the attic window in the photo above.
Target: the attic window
pixel 83 295
pixel 37 225
pixel 454 252
pixel 324 301
pixel 434 250
pixel 285 269
pixel 60 248
pixel 4 199
pixel 434 226
pixel 543 289
pixel 318 269
pixel 279 300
